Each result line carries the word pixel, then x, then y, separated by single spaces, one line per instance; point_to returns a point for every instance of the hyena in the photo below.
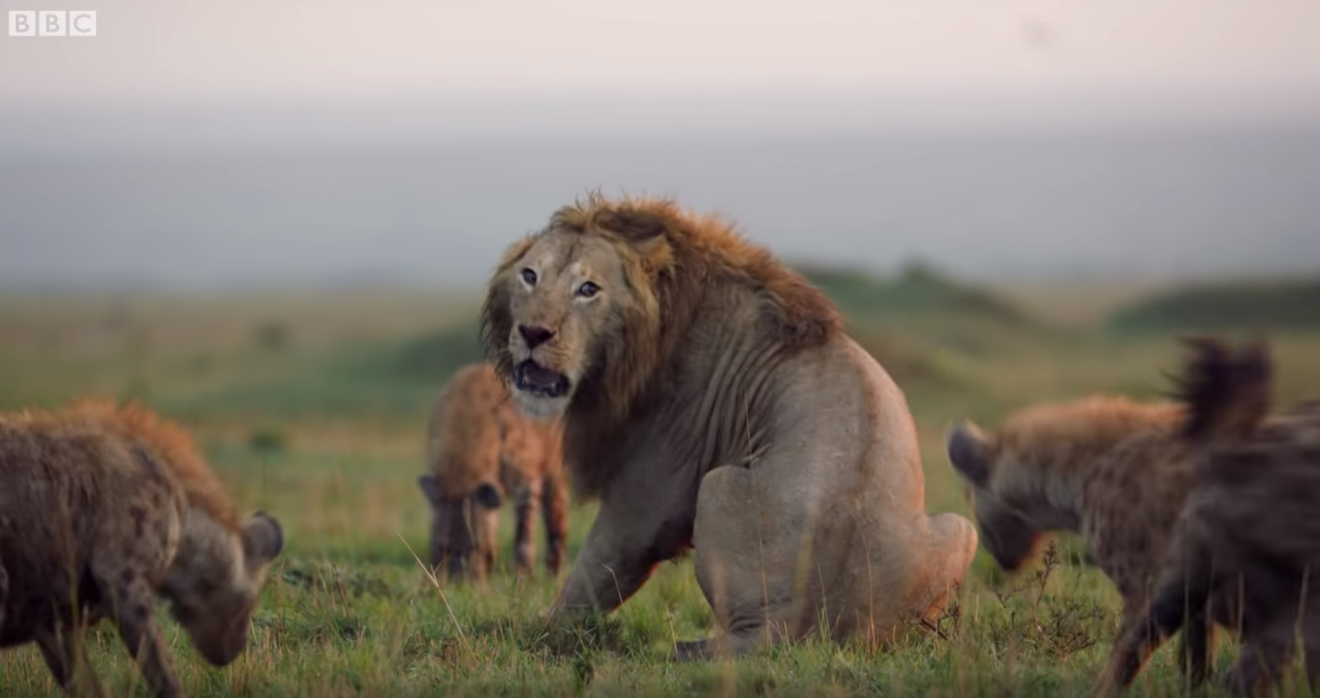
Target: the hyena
pixel 480 451
pixel 1248 539
pixel 104 508
pixel 1113 470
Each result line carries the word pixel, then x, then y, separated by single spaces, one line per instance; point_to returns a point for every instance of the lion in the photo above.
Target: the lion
pixel 1247 542
pixel 102 509
pixel 712 402
pixel 480 449
pixel 1113 470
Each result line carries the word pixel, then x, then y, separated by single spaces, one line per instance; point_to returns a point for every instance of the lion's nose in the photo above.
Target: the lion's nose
pixel 535 335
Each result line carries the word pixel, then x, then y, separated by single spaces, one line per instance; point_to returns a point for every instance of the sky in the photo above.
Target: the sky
pixel 452 124
pixel 217 50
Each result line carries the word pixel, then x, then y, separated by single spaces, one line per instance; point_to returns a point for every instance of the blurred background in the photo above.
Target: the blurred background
pixel 272 220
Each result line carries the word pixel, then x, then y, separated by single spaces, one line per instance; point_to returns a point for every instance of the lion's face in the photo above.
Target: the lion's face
pixel 563 299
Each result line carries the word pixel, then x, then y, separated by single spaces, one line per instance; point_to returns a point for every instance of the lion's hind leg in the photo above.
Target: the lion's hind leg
pixel 743 565
pixel 953 543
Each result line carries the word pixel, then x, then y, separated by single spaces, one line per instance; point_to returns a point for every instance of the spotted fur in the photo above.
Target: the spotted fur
pixel 480 452
pixel 1247 543
pixel 105 508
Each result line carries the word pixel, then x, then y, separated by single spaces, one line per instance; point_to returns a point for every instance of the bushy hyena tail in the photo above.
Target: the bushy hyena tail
pixel 1227 392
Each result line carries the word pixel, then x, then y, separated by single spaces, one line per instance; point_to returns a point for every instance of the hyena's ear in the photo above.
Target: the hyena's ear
pixel 263 538
pixel 969 453
pixel 430 488
pixel 487 496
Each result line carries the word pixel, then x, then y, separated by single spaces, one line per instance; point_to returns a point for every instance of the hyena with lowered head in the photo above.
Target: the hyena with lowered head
pixel 103 509
pixel 481 451
pixel 1248 538
pixel 1113 470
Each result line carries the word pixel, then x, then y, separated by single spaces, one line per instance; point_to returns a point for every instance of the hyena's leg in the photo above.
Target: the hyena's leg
pixel 1137 638
pixel 1179 599
pixel 65 652
pixel 1312 651
pixel 554 511
pixel 128 597
pixel 524 541
pixel 1263 658
pixel 1194 648
pixel 132 611
pixel 4 593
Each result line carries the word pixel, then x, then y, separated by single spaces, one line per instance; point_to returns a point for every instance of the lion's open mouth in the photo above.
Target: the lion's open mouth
pixel 534 378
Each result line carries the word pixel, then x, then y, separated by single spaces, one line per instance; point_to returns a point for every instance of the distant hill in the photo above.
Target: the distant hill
pixel 433 356
pixel 918 324
pixel 918 290
pixel 1277 305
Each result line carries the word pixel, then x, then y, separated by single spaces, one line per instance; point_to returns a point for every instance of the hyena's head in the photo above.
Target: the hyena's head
pixel 464 524
pixel 216 578
pixel 1024 479
pixel 1002 500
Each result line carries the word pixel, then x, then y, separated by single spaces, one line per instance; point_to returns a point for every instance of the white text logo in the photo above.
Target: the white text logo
pixel 52 23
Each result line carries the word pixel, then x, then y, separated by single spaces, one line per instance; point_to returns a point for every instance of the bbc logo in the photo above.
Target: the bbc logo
pixel 52 23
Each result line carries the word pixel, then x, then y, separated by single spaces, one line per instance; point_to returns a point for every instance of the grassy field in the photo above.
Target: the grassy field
pixel 312 406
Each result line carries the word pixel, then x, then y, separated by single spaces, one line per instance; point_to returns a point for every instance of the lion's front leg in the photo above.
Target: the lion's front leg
pixel 624 545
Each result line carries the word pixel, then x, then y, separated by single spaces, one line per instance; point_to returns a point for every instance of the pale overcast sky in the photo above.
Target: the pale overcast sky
pixel 224 140
pixel 231 49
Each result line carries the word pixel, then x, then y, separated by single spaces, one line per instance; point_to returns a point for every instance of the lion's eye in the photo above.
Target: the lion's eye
pixel 588 289
pixel 529 276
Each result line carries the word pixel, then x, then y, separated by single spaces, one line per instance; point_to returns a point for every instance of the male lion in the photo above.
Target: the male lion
pixel 478 450
pixel 712 400
pixel 1248 538
pixel 102 508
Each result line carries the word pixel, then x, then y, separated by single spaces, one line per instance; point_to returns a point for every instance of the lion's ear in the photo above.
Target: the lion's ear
pixel 516 249
pixel 632 225
pixel 645 231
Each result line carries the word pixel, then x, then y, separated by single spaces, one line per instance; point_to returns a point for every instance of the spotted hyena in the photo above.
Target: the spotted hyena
pixel 1114 470
pixel 480 452
pixel 1249 535
pixel 104 508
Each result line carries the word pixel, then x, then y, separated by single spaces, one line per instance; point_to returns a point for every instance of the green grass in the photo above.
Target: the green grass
pixel 315 410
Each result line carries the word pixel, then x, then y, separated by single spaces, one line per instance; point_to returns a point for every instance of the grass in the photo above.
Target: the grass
pixel 314 409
